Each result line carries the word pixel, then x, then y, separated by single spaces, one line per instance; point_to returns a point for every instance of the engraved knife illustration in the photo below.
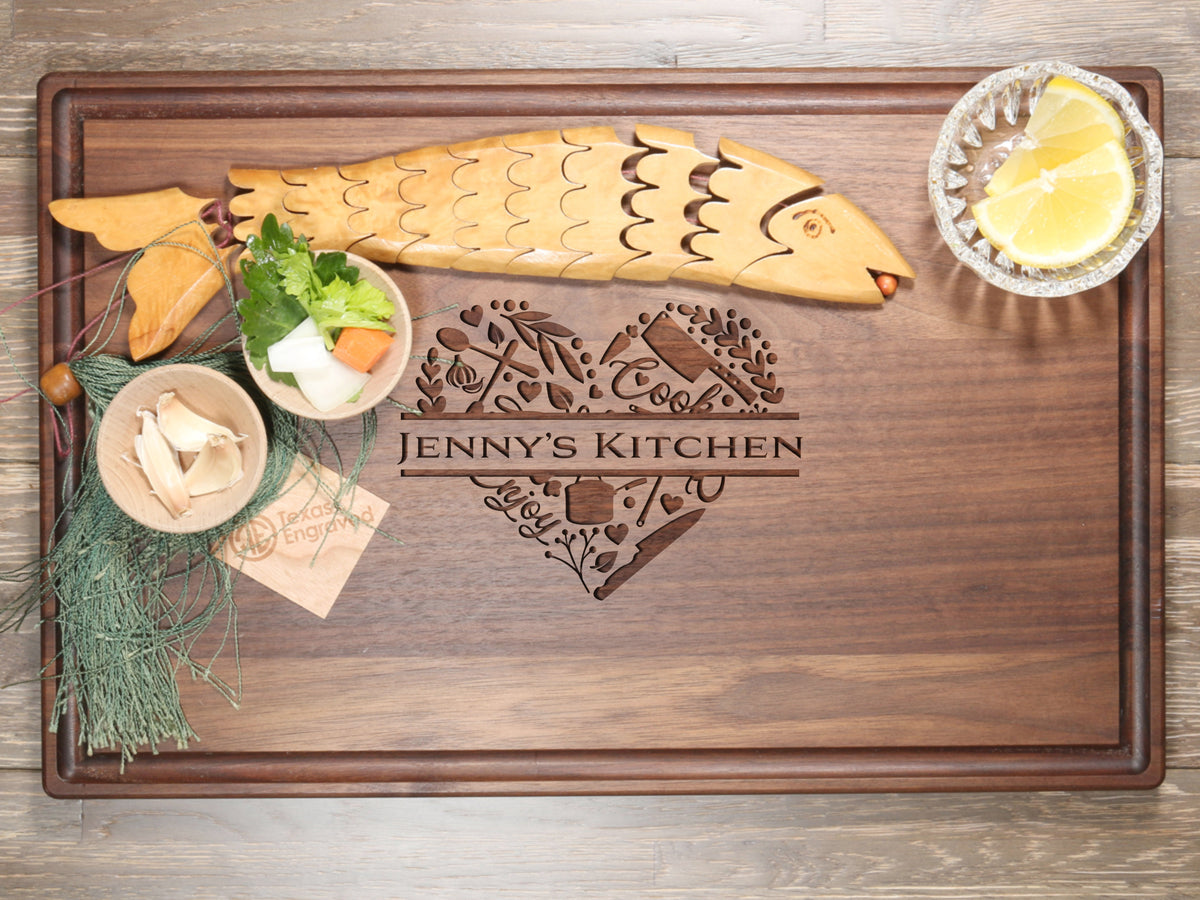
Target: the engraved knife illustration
pixel 681 352
pixel 648 548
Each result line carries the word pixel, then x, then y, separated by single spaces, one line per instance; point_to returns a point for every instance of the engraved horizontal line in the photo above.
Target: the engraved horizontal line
pixel 603 417
pixel 583 471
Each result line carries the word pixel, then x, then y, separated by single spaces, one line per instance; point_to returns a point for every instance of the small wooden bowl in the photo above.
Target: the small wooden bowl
pixel 209 394
pixel 384 375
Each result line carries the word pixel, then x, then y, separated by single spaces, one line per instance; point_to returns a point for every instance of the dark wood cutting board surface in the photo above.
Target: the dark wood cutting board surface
pixel 926 556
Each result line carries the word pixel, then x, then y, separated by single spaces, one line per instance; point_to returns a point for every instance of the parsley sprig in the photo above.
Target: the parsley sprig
pixel 288 283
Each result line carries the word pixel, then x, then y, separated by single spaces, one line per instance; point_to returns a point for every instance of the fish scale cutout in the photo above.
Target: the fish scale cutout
pixel 483 210
pixel 597 172
pixel 538 201
pixel 666 230
pixel 433 196
pixel 379 208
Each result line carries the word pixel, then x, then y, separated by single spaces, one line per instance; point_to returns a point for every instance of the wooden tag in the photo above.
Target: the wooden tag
pixel 300 546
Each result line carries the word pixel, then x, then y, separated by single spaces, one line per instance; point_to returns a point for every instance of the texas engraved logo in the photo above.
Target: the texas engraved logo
pixel 608 452
pixel 255 540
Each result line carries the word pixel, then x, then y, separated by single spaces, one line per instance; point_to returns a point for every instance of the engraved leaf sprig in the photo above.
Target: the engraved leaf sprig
pixel 539 332
pixel 430 384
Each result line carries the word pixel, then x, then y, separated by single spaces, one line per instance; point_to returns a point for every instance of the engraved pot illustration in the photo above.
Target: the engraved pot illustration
pixel 591 502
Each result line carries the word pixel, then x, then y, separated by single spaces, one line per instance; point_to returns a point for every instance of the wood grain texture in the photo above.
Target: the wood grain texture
pixel 1021 845
pixel 538 34
pixel 960 488
pixel 1004 846
pixel 20 660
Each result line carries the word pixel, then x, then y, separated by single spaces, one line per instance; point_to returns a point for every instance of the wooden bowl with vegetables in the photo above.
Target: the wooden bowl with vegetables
pixel 181 448
pixel 326 334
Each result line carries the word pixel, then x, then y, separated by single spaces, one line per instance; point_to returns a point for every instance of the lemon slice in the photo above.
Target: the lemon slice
pixel 1068 121
pixel 1063 215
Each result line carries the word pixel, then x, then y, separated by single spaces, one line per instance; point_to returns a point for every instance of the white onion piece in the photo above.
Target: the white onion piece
pixel 298 354
pixel 307 328
pixel 331 386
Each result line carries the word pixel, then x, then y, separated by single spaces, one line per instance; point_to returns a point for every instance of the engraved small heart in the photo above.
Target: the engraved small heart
pixel 743 350
pixel 429 388
pixel 472 316
pixel 671 503
pixel 529 389
pixel 616 533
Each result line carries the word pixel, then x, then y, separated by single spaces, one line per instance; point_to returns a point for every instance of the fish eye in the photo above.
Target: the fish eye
pixel 813 223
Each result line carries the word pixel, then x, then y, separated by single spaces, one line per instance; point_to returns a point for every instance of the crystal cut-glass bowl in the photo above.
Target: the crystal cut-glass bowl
pixel 978 135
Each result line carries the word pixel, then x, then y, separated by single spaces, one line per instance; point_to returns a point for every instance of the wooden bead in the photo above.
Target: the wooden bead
pixel 60 385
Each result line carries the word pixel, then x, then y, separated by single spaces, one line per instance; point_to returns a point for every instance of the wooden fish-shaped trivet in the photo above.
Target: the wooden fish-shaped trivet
pixel 575 203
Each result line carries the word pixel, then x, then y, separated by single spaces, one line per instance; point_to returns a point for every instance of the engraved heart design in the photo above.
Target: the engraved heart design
pixel 616 533
pixel 580 525
pixel 671 503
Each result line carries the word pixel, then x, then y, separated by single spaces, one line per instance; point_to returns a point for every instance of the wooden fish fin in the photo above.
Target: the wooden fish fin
pixel 169 285
pixel 430 194
pixel 538 202
pixel 483 208
pixel 378 208
pixel 129 221
pixel 832 249
pixel 318 197
pixel 663 203
pixel 264 197
pixel 596 204
pixel 746 186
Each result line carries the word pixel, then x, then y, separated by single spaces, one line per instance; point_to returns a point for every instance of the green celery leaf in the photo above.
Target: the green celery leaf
pixel 346 305
pixel 298 278
pixel 268 317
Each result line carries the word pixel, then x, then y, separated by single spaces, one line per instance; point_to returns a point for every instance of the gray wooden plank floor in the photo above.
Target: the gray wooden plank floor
pixel 1045 845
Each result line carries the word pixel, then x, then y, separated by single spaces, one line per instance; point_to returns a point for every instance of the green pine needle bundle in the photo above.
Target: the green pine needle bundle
pixel 132 604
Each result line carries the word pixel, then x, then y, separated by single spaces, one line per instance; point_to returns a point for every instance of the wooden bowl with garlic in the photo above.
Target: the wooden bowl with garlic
pixel 181 448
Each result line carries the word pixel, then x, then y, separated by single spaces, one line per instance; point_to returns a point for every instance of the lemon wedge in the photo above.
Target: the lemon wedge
pixel 1063 215
pixel 1068 121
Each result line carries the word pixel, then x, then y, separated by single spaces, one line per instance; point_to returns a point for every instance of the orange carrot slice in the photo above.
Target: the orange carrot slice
pixel 361 348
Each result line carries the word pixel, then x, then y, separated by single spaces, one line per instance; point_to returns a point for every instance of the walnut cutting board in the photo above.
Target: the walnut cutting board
pixel 919 548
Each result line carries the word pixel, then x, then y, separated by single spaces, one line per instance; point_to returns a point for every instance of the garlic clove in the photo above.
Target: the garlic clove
pixel 187 431
pixel 160 463
pixel 217 466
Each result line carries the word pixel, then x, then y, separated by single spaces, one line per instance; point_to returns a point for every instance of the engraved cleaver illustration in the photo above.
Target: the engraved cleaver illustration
pixel 681 352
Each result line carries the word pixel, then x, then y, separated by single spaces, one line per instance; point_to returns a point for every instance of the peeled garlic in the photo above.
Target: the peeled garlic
pixel 217 466
pixel 160 462
pixel 186 430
